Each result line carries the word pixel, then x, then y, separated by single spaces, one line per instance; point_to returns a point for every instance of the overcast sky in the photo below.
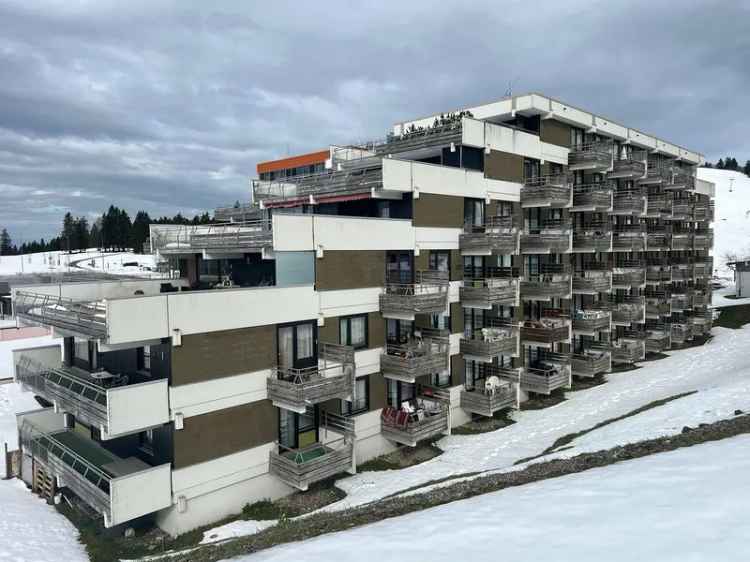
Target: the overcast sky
pixel 166 107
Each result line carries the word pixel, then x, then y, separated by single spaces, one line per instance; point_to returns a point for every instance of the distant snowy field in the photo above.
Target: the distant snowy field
pixel 732 224
pixel 91 260
pixel 689 504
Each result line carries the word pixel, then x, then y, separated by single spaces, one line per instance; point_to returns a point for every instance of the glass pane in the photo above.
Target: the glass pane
pixel 304 341
pixel 344 331
pixel 286 428
pixel 358 331
pixel 286 351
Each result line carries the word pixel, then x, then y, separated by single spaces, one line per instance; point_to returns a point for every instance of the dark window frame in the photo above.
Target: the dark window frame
pixel 348 320
pixel 347 408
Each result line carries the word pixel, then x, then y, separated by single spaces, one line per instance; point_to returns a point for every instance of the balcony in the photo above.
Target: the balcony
pixel 296 389
pixel 656 174
pixel 657 242
pixel 701 322
pixel 591 238
pixel 628 351
pixel 87 319
pixel 680 180
pixel 127 403
pixel 546 332
pixel 702 270
pixel 499 287
pixel 487 402
pixel 681 302
pixel 682 272
pixel 627 169
pixel 548 191
pixel 628 275
pixel 592 362
pixel 229 237
pixel 593 157
pixel 629 310
pixel 590 322
pixel 428 420
pixel 593 197
pixel 632 203
pixel 548 241
pixel 486 344
pixel 629 238
pixel 681 330
pixel 428 295
pixel 414 359
pixel 120 489
pixel 551 372
pixel 658 206
pixel 703 239
pixel 703 212
pixel 658 274
pixel 681 211
pixel 658 306
pixel 701 299
pixel 496 236
pixel 301 467
pixel 658 339
pixel 548 282
pixel 592 282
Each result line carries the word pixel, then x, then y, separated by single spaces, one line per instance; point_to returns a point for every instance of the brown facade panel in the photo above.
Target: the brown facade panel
pixel 350 270
pixel 213 355
pixel 457 318
pixel 457 370
pixel 503 166
pixel 378 396
pixel 329 332
pixel 439 211
pixel 376 330
pixel 555 132
pixel 457 265
pixel 216 434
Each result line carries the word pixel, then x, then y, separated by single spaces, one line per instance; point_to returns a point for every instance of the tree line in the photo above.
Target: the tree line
pixel 730 163
pixel 113 230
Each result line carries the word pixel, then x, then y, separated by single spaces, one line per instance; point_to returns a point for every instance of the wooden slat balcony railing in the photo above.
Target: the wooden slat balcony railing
pixel 488 292
pixel 592 241
pixel 537 333
pixel 554 191
pixel 628 352
pixel 659 340
pixel 592 282
pixel 658 206
pixel 626 278
pixel 428 295
pixel 430 419
pixel 486 344
pixel 497 235
pixel 656 275
pixel 415 359
pixel 545 380
pixel 295 389
pixel 680 180
pixel 545 289
pixel 627 169
pixel 592 363
pixel 681 211
pixel 596 156
pixel 477 401
pixel 681 302
pixel 629 242
pixel 625 314
pixel 591 322
pixel 628 203
pixel 593 197
pixel 547 242
pixel 682 241
pixel 681 333
pixel 656 173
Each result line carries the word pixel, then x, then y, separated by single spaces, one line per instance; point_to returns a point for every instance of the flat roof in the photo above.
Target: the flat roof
pixel 306 159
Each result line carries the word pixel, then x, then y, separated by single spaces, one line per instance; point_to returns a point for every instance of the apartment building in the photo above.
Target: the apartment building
pixel 452 270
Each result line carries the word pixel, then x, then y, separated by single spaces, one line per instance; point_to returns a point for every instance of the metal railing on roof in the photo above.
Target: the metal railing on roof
pixel 88 318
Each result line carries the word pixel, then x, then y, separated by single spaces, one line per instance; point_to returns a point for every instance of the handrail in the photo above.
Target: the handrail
pixel 61 311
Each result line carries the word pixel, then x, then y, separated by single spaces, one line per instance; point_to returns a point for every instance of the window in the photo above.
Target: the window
pixel 353 331
pixel 146 441
pixel 296 346
pixel 398 331
pixel 440 379
pixel 473 212
pixel 360 398
pixel 440 321
pixel 440 260
pixel 530 168
pixel 399 392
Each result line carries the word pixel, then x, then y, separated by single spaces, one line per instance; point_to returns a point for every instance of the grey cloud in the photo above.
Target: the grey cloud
pixel 169 105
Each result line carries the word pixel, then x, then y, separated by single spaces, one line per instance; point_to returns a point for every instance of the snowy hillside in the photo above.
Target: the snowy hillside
pixel 688 504
pixel 732 225
pixel 91 260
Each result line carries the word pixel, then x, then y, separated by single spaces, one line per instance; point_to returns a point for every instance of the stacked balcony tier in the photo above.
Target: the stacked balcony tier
pixel 547 241
pixel 627 351
pixel 591 238
pixel 487 344
pixel 628 310
pixel 658 305
pixel 591 321
pixel 593 157
pixel 658 339
pixel 629 275
pixel 490 398
pixel 547 191
pixel 428 295
pixel 656 174
pixel 632 203
pixel 486 292
pixel 545 332
pixel 548 282
pixel 429 419
pixel 414 359
pixel 592 362
pixel 629 238
pixel 682 210
pixel 592 282
pixel 551 372
pixel 658 206
pixel 593 197
pixel 496 236
pixel 657 274
pixel 627 169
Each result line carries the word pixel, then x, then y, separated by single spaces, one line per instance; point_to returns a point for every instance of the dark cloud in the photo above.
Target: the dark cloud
pixel 168 106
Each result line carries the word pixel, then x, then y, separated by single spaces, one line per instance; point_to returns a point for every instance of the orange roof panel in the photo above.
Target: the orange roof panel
pixel 293 161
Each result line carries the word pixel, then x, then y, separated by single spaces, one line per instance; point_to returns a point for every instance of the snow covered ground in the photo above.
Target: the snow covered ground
pixel 688 504
pixel 91 260
pixel 732 221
